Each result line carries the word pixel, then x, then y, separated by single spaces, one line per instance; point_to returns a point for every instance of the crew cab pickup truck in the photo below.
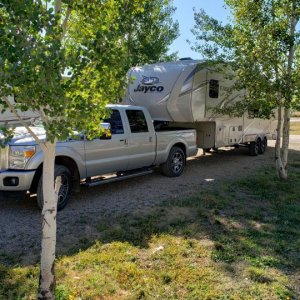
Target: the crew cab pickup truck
pixel 132 147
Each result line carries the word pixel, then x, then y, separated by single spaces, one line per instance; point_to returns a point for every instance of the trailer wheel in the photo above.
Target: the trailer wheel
pixel 264 145
pixel 254 147
pixel 62 177
pixel 175 163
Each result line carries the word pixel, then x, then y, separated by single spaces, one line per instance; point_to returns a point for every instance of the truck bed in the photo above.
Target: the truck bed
pixel 177 136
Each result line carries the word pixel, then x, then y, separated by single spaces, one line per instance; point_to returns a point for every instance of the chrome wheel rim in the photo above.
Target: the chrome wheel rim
pixel 177 162
pixel 62 187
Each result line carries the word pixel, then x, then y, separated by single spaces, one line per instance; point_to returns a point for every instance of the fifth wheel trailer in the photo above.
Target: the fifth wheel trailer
pixel 7 117
pixel 186 93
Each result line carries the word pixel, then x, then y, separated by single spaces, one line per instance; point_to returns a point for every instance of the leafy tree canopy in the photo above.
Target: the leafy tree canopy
pixel 84 40
pixel 150 32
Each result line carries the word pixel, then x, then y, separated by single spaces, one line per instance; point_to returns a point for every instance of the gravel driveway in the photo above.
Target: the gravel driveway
pixel 20 218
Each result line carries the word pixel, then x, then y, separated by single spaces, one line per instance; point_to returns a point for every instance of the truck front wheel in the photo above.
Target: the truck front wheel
pixel 175 163
pixel 63 184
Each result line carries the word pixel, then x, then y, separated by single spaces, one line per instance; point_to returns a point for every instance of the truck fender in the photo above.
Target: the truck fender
pixel 62 158
pixel 179 143
pixel 38 159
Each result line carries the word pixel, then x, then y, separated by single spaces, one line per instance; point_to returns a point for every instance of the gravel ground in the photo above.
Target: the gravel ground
pixel 20 226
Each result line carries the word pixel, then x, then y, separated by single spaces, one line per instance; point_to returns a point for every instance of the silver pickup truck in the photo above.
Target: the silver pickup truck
pixel 133 148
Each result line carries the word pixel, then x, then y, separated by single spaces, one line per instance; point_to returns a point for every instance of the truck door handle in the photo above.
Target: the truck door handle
pixel 124 140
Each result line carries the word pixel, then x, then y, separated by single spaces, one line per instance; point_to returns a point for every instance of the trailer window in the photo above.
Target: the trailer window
pixel 253 113
pixel 137 121
pixel 115 122
pixel 214 88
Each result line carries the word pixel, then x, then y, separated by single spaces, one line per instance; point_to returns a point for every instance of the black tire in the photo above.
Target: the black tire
pixel 261 148
pixel 254 147
pixel 64 191
pixel 175 163
pixel 264 145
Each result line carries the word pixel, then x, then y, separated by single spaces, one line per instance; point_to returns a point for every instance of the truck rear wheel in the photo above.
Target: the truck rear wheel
pixel 175 163
pixel 63 178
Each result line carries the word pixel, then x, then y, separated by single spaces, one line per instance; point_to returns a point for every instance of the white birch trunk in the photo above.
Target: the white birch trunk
pixel 285 138
pixel 282 156
pixel 47 278
pixel 278 158
pixel 48 245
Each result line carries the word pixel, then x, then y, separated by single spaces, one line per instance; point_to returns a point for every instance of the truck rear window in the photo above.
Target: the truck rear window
pixel 137 121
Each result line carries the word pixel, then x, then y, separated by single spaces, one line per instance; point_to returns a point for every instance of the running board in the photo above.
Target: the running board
pixel 102 180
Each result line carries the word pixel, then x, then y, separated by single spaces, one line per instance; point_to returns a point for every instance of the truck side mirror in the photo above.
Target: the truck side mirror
pixel 106 131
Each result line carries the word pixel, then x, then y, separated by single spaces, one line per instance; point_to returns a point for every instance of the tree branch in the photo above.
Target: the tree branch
pixel 44 118
pixel 65 22
pixel 57 6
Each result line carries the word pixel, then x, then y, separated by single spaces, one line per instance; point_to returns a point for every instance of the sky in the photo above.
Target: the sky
pixel 185 16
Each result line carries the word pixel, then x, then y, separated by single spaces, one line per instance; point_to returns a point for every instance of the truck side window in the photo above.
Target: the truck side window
pixel 214 88
pixel 115 122
pixel 137 121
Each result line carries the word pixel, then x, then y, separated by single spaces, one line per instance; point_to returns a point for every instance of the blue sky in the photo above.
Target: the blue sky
pixel 185 17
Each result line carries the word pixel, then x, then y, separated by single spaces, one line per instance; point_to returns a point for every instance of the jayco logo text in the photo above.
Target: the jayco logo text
pixel 149 84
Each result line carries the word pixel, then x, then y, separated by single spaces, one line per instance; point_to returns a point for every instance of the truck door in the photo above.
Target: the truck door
pixel 142 140
pixel 105 156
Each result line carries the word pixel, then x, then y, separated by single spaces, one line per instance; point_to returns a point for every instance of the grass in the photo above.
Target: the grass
pixel 295 128
pixel 237 240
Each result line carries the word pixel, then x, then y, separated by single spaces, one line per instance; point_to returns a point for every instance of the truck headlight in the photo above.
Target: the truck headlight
pixel 19 156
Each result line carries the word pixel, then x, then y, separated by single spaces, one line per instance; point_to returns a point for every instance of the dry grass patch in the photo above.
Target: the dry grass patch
pixel 295 128
pixel 296 114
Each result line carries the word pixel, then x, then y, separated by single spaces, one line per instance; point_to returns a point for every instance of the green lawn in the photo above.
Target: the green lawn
pixel 237 240
pixel 295 128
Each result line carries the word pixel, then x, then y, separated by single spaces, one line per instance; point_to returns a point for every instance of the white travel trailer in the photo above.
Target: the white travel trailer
pixel 7 117
pixel 185 93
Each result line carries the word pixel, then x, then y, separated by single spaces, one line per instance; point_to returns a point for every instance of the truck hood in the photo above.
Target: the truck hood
pixel 22 137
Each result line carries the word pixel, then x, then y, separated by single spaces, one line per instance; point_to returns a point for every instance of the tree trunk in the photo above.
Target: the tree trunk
pixel 282 156
pixel 280 168
pixel 282 148
pixel 285 138
pixel 47 278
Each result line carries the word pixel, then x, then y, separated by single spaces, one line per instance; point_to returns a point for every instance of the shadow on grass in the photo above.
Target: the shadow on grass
pixel 253 224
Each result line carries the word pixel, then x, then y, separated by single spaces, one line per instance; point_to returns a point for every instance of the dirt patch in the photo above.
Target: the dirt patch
pixel 20 224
